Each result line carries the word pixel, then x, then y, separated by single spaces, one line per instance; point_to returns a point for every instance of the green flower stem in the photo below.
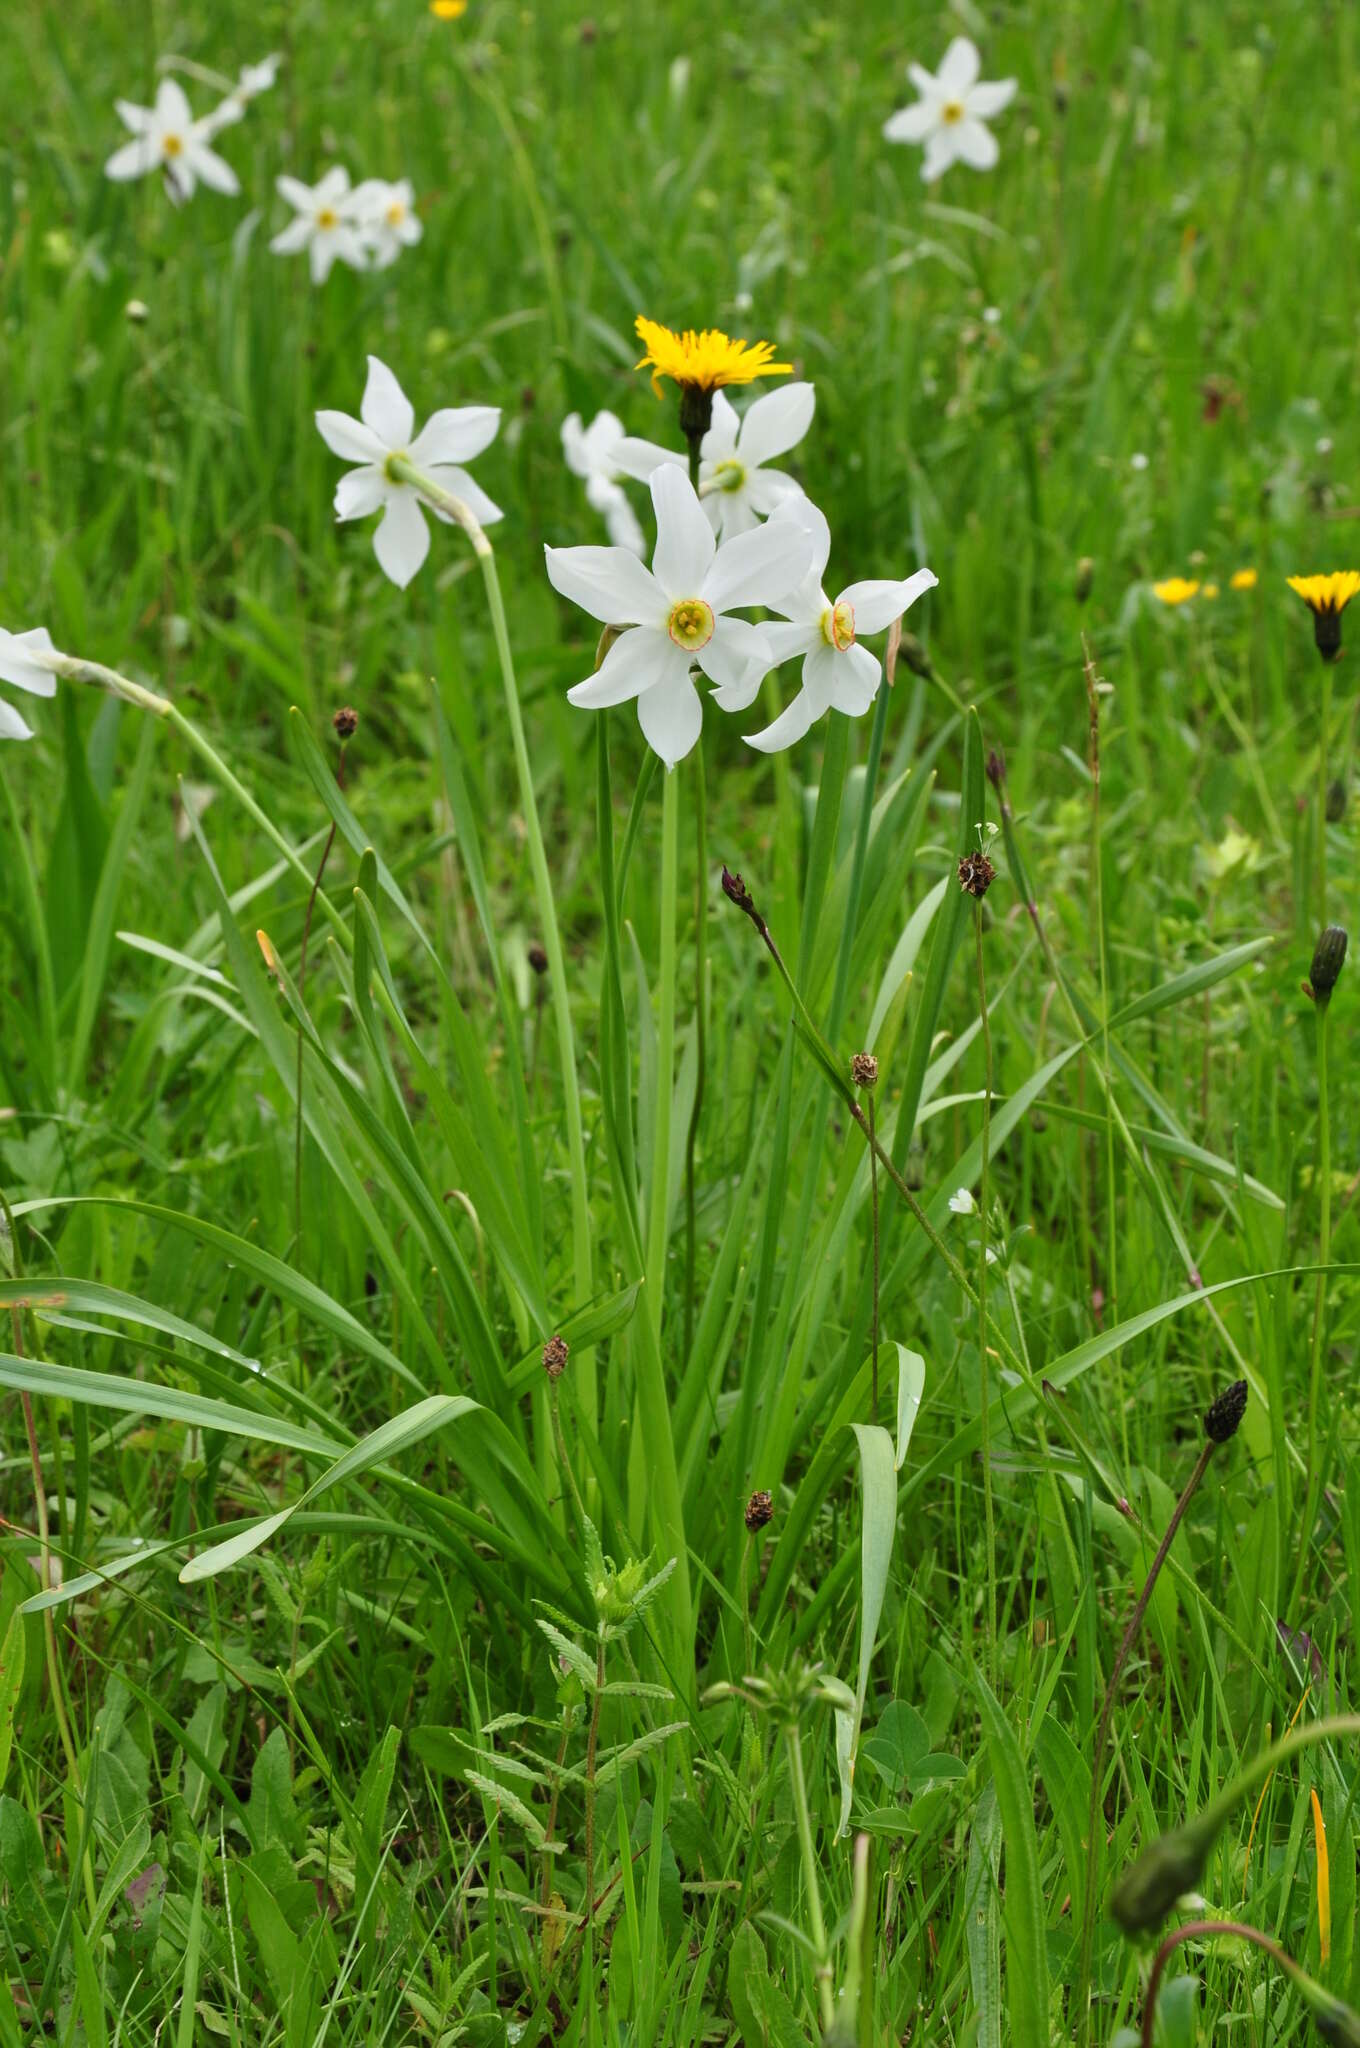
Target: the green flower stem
pixel 1323 725
pixel 1324 1166
pixel 1251 1775
pixel 810 1878
pixel 657 1219
pixel 989 1511
pixel 444 501
pixel 701 1036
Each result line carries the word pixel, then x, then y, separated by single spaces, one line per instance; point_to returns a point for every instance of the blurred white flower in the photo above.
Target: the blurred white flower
pixel 736 487
pixel 326 224
pixel 962 1203
pixel 838 673
pixel 166 137
pixel 675 613
pixel 17 667
pixel 951 115
pixel 592 454
pixel 1138 460
pixel 252 81
pixel 388 221
pixel 386 427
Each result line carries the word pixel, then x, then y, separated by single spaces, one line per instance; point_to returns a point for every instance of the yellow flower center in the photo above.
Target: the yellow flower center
pixel 729 475
pixel 396 213
pixel 690 624
pixel 838 626
pixel 173 145
pixel 951 111
pixel 328 218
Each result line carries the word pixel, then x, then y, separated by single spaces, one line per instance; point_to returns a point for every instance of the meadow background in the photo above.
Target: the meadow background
pixel 308 1799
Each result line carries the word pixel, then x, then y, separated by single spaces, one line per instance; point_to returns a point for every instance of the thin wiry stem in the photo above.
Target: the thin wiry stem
pixel 302 991
pixel 989 1510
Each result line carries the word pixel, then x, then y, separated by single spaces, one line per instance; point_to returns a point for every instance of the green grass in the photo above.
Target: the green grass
pixel 419 1756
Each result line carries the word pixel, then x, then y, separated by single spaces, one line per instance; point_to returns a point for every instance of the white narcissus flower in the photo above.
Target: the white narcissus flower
pixel 736 487
pixel 388 221
pixel 951 115
pixel 386 427
pixel 592 454
pixel 675 613
pixel 326 224
pixel 251 82
pixel 838 673
pixel 18 668
pixel 166 137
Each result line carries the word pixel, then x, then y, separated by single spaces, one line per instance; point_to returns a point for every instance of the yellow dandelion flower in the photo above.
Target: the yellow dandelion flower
pixel 1243 579
pixel 704 362
pixel 448 10
pixel 1326 598
pixel 1324 1883
pixel 1209 590
pixel 1175 590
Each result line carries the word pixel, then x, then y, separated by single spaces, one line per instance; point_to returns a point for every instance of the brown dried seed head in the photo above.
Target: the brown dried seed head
pixel 1225 1413
pixel 555 1354
pixel 346 722
pixel 864 1070
pixel 538 959
pixel 759 1511
pixel 976 874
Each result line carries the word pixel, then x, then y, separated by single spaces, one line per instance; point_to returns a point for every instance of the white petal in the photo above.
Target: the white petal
pixel 983 102
pixel 456 434
pixel 639 660
pixel 17 669
pixel 641 459
pixel 173 114
pixel 359 492
pixel 720 442
pixel 855 682
pixel 767 489
pixel 876 604
pixel 736 658
pixel 684 538
pixel 940 153
pixel 731 512
pixel 758 567
pixel 960 68
pixel 345 243
pixel 466 487
pixel 926 83
pixel 134 159
pixel 975 145
pixel 321 254
pixel 622 522
pixel 299 196
pixel 139 119
pixel 671 717
pixel 776 423
pixel 12 727
pixel 295 236
pixel 797 637
pixel 216 173
pixel 348 438
pixel 800 511
pixel 402 540
pixel 609 583
pixel 386 408
pixel 334 186
pixel 574 448
pixel 912 124
pixel 788 728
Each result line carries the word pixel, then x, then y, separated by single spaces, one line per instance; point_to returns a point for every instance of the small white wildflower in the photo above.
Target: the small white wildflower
pixel 962 1202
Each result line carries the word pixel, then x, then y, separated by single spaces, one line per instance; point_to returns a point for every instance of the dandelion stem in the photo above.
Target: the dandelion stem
pixel 873 1213
pixel 1322 1006
pixel 1324 722
pixel 701 1036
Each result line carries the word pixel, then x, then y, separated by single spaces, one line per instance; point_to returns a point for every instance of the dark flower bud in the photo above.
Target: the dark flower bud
pixel 1336 801
pixel 346 722
pixel 864 1070
pixel 736 891
pixel 1329 957
pixel 1225 1412
pixel 1086 576
pixel 538 960
pixel 996 768
pixel 696 412
pixel 759 1511
pixel 916 658
pixel 1337 2023
pixel 976 874
pixel 555 1354
pixel 1149 1888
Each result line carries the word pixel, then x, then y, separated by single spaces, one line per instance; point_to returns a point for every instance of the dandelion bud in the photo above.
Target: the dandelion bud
pixel 1149 1888
pixel 1225 1413
pixel 1329 956
pixel 1086 576
pixel 538 959
pixel 759 1511
pixel 1336 801
pixel 555 1354
pixel 1337 2023
pixel 346 722
pixel 976 875
pixel 916 658
pixel 864 1070
pixel 696 411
